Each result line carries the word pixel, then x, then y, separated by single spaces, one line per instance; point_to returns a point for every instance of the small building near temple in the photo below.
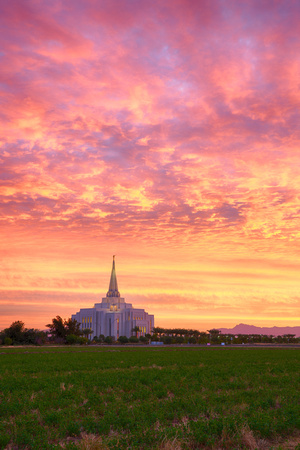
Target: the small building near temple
pixel 113 316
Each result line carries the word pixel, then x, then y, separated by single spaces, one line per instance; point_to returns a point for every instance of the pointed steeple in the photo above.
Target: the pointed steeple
pixel 113 285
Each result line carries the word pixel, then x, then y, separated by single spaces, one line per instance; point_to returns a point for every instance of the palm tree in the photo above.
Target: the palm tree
pixel 214 333
pixel 87 332
pixel 159 331
pixel 135 330
pixel 203 337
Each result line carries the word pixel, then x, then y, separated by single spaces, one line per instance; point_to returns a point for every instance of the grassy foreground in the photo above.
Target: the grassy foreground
pixel 172 398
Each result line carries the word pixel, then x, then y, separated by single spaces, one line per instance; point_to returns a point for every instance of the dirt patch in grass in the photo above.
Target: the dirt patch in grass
pixel 290 443
pixel 85 442
pixel 170 444
pixel 91 442
pixel 251 443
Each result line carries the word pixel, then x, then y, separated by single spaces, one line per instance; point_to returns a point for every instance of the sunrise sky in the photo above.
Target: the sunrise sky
pixel 165 132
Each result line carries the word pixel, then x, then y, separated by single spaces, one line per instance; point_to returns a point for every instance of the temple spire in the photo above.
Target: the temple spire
pixel 113 285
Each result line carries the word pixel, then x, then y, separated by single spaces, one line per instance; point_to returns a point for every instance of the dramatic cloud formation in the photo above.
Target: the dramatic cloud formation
pixel 165 132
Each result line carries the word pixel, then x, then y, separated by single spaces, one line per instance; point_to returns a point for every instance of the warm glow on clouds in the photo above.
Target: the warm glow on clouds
pixel 163 132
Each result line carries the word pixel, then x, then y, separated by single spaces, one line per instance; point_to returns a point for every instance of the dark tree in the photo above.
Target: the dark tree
pixel 57 327
pixel 72 327
pixel 61 328
pixel 203 337
pixel 15 332
pixel 214 333
pixel 34 337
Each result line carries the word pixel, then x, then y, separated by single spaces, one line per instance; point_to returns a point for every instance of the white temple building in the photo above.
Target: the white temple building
pixel 113 316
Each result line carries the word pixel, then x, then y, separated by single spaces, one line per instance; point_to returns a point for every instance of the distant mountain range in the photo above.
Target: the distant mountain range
pixel 252 329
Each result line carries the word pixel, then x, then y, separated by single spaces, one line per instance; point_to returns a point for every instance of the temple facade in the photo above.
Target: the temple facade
pixel 113 316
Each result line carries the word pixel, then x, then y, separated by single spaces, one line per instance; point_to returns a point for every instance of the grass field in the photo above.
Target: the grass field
pixel 171 398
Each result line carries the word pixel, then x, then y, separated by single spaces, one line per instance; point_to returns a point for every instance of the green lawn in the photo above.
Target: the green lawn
pixel 171 398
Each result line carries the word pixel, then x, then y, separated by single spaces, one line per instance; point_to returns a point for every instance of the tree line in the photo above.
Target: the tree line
pixel 214 336
pixel 17 334
pixel 62 331
pixel 68 331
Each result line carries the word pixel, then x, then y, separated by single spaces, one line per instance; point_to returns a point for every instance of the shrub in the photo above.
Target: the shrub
pixel 144 339
pixel 30 336
pixel 108 340
pixel 123 339
pixel 98 340
pixel 72 339
pixel 167 340
pixel 7 341
pixel 133 340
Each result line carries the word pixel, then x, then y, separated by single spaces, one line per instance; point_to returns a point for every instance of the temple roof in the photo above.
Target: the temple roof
pixel 113 285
